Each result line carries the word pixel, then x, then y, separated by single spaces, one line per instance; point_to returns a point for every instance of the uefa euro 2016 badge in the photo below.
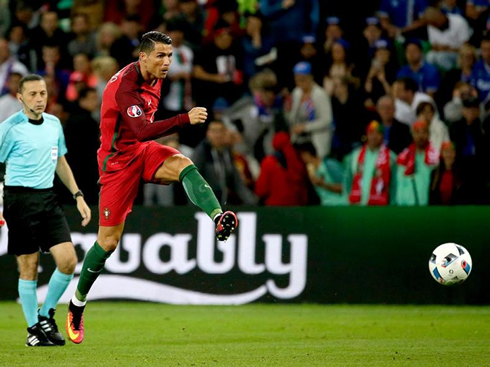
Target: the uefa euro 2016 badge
pixel 107 213
pixel 134 111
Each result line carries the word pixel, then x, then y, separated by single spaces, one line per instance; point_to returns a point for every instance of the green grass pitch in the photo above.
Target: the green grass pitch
pixel 123 334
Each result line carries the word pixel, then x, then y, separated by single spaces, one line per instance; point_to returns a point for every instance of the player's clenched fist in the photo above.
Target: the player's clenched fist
pixel 198 115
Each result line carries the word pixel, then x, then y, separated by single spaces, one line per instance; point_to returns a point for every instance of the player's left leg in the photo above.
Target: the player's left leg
pixel 179 168
pixel 66 260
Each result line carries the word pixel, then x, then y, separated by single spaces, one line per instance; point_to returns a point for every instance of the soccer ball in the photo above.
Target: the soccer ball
pixel 450 264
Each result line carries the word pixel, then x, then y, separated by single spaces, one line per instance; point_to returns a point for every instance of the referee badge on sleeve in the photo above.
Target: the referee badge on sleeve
pixel 54 154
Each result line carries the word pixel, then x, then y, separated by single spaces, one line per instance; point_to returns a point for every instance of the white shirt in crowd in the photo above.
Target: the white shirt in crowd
pixel 407 113
pixel 457 33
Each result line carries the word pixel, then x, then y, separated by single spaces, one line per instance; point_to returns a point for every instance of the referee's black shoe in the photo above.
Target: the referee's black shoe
pixel 37 338
pixel 50 328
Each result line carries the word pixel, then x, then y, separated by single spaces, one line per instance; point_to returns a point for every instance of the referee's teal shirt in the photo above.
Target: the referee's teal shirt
pixel 31 149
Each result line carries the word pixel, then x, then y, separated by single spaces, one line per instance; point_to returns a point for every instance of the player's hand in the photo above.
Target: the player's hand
pixel 84 210
pixel 2 220
pixel 198 115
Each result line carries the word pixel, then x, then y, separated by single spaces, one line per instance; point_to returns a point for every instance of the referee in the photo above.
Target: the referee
pixel 33 147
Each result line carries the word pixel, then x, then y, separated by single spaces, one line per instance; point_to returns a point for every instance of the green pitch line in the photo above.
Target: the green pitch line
pixel 142 334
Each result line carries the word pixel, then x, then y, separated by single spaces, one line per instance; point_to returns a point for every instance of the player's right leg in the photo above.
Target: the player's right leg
pixel 94 262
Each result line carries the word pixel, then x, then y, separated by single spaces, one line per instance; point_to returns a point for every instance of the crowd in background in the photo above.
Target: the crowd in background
pixel 310 102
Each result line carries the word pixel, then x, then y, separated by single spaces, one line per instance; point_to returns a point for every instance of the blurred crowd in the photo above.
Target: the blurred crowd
pixel 310 103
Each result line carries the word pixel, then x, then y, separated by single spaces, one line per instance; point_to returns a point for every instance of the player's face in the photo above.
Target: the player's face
pixel 34 95
pixel 158 61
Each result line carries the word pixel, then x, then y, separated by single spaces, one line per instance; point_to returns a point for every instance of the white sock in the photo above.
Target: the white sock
pixel 78 303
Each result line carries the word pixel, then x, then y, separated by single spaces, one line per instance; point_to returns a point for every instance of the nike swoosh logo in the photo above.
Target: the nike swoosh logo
pixel 93 271
pixel 71 334
pixel 207 186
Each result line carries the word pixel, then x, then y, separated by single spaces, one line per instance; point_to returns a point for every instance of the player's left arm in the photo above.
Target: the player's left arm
pixel 65 174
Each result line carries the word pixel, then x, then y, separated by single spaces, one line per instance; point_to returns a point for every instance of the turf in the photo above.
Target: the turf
pixel 144 334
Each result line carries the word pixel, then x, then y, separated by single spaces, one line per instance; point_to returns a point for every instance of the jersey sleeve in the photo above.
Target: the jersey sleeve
pixel 130 105
pixel 6 141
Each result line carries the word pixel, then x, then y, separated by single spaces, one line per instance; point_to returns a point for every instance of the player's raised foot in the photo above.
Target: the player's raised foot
pixel 37 338
pixel 226 223
pixel 48 324
pixel 74 323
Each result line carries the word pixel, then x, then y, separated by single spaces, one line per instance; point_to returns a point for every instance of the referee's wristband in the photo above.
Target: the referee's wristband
pixel 77 194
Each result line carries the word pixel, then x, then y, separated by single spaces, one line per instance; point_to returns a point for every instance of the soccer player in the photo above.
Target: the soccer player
pixel 127 155
pixel 33 146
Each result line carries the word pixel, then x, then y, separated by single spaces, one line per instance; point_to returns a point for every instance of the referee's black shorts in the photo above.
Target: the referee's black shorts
pixel 35 220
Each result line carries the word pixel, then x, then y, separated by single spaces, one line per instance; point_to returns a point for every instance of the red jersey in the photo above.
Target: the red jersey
pixel 128 109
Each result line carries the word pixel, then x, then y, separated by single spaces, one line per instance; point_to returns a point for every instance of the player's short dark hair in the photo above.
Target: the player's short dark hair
pixel 149 40
pixel 28 78
pixel 409 84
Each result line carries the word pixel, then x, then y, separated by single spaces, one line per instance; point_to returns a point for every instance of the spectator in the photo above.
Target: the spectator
pixel 426 75
pixel 453 110
pixel 20 47
pixel 402 17
pixel 178 99
pixel 415 166
pixel 381 75
pixel 213 157
pixel 447 33
pixel 116 11
pixel 451 7
pixel 333 33
pixel 8 65
pixel 282 179
pixel 471 138
pixel 396 135
pixel 104 68
pixel 310 54
pixel 107 34
pixel 349 118
pixel 289 21
pixel 462 73
pixel 82 141
pixel 256 42
pixel 310 118
pixel 225 12
pixel 477 15
pixel 126 48
pixel 326 175
pixel 366 48
pixel 480 77
pixel 218 70
pixel 338 66
pixel 407 98
pixel 48 32
pixel 84 39
pixel 438 132
pixel 259 117
pixel 81 77
pixel 447 181
pixel 53 66
pixel 8 102
pixel 369 177
pixel 193 15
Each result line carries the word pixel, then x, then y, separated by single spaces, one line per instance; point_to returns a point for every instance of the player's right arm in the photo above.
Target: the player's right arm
pixel 130 105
